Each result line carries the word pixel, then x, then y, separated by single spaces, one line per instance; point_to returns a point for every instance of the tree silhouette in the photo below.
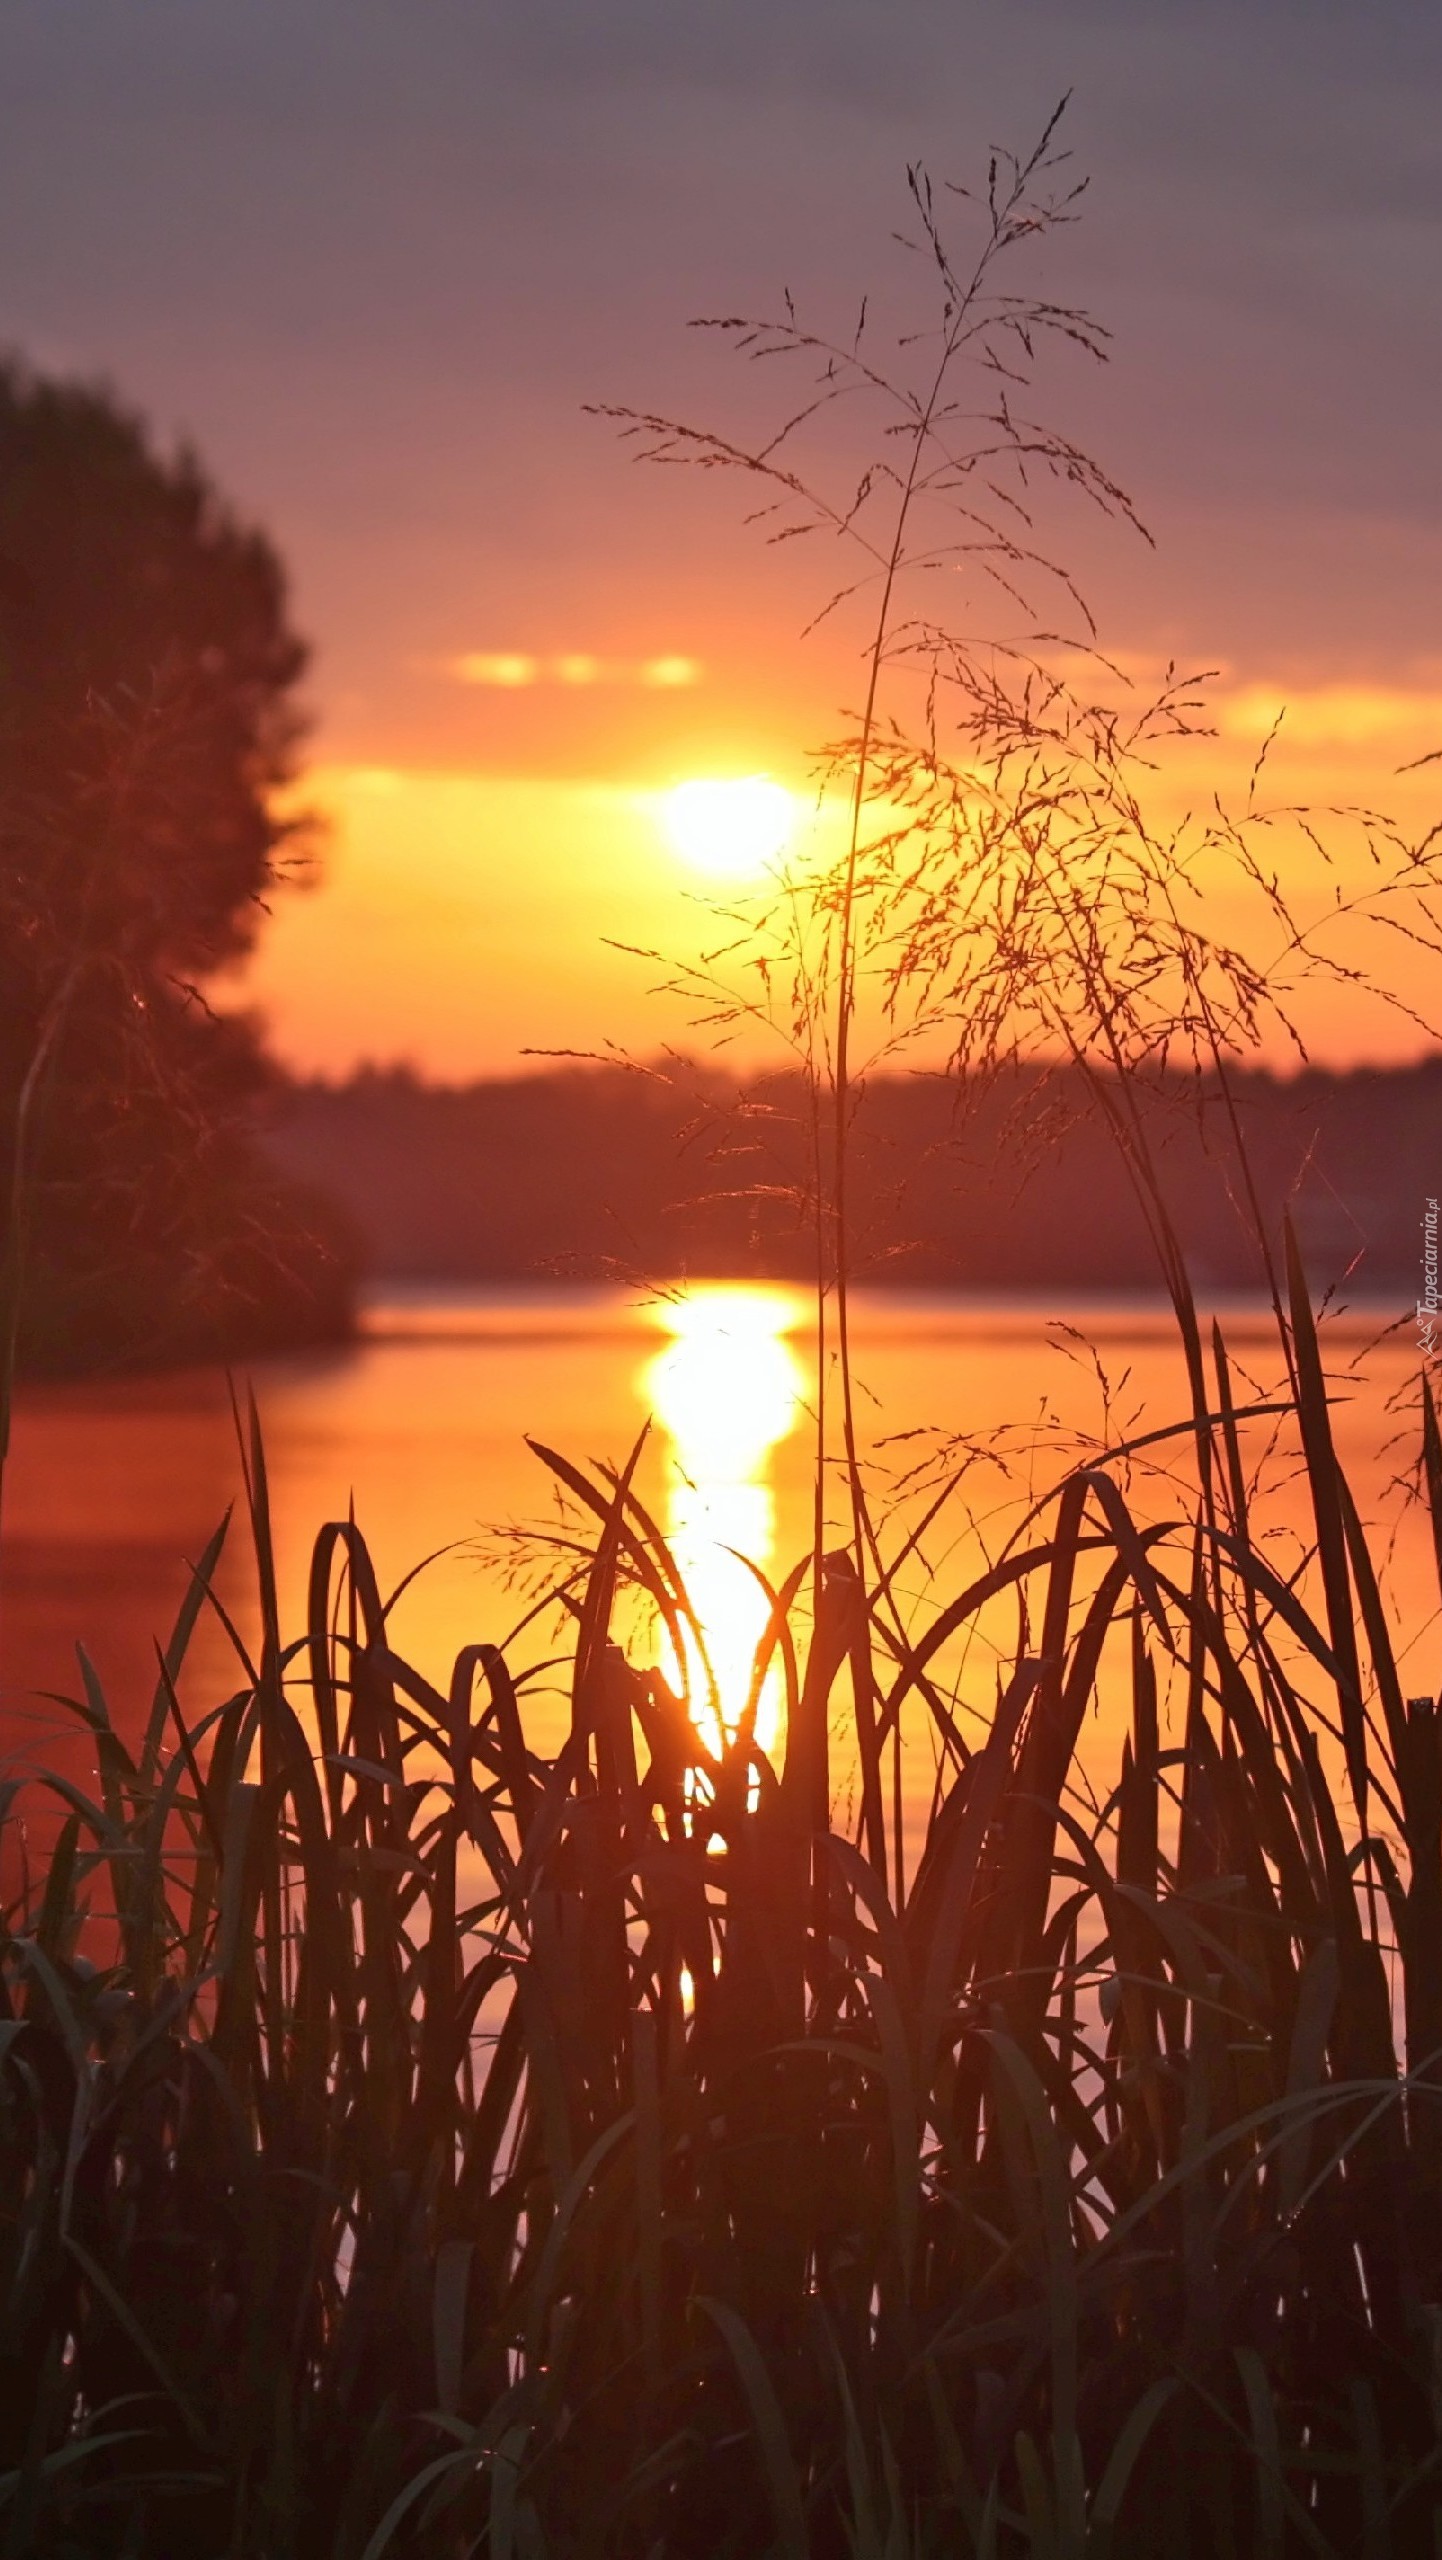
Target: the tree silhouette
pixel 148 719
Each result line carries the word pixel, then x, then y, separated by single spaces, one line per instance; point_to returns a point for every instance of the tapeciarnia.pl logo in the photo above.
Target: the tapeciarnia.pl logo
pixel 1429 1314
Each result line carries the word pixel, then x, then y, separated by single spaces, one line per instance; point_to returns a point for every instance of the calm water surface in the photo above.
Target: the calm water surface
pixel 424 1425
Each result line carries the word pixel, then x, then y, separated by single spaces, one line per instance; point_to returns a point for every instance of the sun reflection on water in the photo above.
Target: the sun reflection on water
pixel 727 1389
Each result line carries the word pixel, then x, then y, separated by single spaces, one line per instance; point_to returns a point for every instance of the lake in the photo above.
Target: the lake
pixel 424 1424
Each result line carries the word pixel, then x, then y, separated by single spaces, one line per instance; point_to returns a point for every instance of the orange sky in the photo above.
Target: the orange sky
pixel 375 261
pixel 467 917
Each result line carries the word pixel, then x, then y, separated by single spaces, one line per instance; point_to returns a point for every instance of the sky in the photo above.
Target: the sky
pixel 376 261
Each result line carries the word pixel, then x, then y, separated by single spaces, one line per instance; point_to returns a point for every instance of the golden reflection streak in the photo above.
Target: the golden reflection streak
pixel 727 1389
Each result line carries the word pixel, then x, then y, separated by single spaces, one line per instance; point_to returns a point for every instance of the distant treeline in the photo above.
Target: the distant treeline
pixel 583 1172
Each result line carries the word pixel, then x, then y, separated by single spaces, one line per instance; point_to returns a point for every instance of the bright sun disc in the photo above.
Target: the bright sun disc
pixel 730 830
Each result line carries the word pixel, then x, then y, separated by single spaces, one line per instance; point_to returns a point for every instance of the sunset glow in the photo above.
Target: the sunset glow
pixel 730 830
pixel 464 918
pixel 727 1390
pixel 399 375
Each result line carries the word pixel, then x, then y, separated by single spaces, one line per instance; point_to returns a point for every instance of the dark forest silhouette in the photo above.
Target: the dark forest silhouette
pixel 148 718
pixel 588 1172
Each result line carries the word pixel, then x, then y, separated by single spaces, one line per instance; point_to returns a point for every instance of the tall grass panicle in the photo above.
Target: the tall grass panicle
pixel 1002 879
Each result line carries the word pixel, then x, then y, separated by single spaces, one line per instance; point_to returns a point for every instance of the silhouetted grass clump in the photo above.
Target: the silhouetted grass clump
pixel 444 2147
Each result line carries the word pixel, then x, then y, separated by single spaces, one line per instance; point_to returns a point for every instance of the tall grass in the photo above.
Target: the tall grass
pixel 415 2143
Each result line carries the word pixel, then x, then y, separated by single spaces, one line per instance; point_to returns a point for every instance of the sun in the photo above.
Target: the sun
pixel 730 830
